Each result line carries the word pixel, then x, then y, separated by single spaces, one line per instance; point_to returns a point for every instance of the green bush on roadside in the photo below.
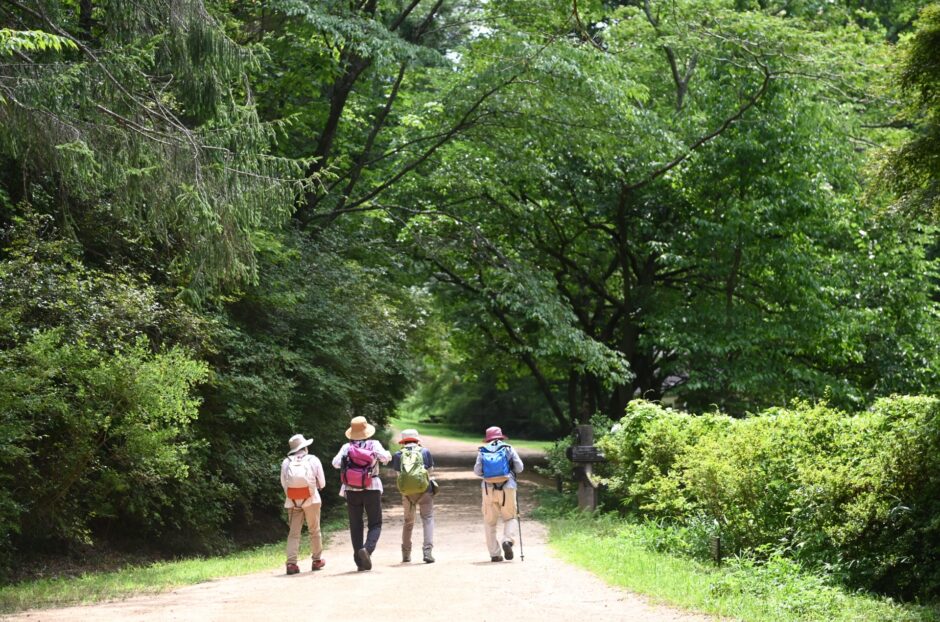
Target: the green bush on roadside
pixel 854 494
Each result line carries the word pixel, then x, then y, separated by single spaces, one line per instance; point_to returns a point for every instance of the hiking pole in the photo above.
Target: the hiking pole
pixel 519 525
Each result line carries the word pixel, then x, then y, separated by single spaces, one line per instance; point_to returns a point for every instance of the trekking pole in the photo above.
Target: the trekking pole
pixel 519 525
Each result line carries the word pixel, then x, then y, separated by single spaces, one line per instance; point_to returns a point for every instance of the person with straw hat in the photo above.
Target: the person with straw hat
pixel 414 465
pixel 302 479
pixel 499 464
pixel 358 461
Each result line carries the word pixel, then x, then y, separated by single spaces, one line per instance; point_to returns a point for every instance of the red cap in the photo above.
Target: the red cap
pixel 494 433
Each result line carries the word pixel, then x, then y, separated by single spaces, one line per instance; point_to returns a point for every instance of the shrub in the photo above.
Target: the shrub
pixel 856 494
pixel 96 435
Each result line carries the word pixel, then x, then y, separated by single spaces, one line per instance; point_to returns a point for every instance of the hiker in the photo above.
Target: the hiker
pixel 498 464
pixel 358 461
pixel 302 479
pixel 414 465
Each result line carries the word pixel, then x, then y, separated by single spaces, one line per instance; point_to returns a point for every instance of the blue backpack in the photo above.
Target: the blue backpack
pixel 496 463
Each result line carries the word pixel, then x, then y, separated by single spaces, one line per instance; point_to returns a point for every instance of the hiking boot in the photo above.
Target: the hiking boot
pixel 405 557
pixel 428 558
pixel 293 569
pixel 317 564
pixel 363 559
pixel 507 549
pixel 496 558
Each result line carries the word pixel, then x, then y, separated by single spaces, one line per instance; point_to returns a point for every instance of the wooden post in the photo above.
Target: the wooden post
pixel 587 493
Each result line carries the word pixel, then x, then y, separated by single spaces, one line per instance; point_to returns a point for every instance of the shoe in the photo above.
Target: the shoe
pixel 405 557
pixel 428 558
pixel 363 559
pixel 507 549
pixel 496 558
pixel 292 569
pixel 317 564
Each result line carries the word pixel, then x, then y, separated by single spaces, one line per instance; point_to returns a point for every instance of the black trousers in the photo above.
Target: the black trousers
pixel 369 501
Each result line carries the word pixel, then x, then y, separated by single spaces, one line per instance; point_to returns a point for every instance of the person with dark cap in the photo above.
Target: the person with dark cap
pixel 499 465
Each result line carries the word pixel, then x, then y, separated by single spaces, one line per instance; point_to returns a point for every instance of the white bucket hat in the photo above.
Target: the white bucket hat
pixel 298 442
pixel 409 436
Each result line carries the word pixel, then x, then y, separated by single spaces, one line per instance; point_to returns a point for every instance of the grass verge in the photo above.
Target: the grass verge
pixel 157 577
pixel 774 591
pixel 404 420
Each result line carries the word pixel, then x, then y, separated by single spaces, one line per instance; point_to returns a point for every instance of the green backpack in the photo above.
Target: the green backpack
pixel 413 478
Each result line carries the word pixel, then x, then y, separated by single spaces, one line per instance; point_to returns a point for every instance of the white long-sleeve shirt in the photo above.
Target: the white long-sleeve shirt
pixel 382 455
pixel 315 477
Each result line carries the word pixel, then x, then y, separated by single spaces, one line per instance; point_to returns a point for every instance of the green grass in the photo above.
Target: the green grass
pixel 777 591
pixel 157 577
pixel 404 420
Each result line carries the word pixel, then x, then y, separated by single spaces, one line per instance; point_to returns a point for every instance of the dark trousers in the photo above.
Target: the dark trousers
pixel 371 502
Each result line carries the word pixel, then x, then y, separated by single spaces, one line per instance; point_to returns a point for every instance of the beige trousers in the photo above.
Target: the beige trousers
pixel 423 503
pixel 495 508
pixel 296 517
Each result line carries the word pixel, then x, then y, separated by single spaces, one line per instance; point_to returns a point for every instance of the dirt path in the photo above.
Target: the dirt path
pixel 462 585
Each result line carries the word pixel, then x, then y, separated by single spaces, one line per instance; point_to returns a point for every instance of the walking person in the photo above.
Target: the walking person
pixel 358 461
pixel 302 479
pixel 414 465
pixel 499 464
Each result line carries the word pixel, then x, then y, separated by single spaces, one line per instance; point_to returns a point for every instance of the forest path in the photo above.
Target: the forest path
pixel 462 585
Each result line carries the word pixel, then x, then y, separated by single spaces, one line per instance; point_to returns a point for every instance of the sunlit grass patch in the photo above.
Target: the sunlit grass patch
pixel 775 591
pixel 404 419
pixel 147 579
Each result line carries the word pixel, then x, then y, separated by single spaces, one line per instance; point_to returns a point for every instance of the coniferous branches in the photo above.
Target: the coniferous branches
pixel 150 120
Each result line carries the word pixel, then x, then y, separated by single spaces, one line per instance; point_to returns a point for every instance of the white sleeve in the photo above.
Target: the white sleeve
pixel 338 458
pixel 315 474
pixel 516 462
pixel 284 474
pixel 321 476
pixel 383 454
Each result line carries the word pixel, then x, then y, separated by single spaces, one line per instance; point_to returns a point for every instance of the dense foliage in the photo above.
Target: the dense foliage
pixel 226 222
pixel 683 213
pixel 164 327
pixel 854 494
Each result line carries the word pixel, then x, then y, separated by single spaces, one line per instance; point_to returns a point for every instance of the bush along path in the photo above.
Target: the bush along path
pixel 461 585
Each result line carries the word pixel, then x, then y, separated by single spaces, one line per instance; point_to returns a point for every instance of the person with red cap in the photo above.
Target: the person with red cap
pixel 414 465
pixel 499 464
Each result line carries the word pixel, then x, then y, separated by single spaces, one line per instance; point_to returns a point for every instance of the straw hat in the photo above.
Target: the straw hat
pixel 409 436
pixel 494 433
pixel 297 442
pixel 359 429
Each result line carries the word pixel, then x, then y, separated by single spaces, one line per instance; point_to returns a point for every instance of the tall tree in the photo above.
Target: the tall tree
pixel 678 191
pixel 912 170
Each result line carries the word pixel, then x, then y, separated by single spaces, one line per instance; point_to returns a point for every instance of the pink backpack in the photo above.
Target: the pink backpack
pixel 357 466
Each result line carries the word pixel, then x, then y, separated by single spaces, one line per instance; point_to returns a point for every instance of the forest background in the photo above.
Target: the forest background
pixel 225 222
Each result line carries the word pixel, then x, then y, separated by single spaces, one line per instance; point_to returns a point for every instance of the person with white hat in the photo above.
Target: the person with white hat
pixel 414 465
pixel 302 479
pixel 499 464
pixel 358 461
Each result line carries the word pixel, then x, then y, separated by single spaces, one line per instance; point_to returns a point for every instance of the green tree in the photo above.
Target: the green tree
pixel 145 122
pixel 683 193
pixel 911 170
